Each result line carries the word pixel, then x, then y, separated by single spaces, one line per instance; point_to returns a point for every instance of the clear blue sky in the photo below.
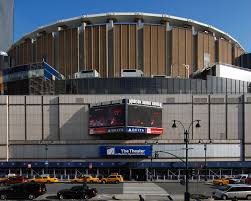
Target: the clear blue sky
pixel 231 16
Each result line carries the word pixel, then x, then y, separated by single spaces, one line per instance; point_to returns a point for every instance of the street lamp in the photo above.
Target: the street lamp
pixel 205 163
pixel 46 158
pixel 186 140
pixel 151 162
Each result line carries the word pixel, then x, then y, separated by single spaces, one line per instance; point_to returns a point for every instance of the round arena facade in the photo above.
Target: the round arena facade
pixel 157 44
pixel 115 124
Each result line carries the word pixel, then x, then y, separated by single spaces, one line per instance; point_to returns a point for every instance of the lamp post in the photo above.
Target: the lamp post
pixel 186 140
pixel 46 158
pixel 151 159
pixel 205 161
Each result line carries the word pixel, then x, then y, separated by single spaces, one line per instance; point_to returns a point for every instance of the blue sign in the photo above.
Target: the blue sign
pixel 126 150
pixel 135 130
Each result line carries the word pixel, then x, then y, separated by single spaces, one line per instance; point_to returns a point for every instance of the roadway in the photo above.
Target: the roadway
pixel 133 189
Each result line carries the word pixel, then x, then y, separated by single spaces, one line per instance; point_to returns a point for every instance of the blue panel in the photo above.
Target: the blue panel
pixel 50 71
pixel 126 150
pixel 139 165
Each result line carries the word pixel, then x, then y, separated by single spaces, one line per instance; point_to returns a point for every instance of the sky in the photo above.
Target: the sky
pixel 231 16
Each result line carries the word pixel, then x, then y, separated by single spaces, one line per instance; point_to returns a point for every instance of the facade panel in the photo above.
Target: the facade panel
pixel 3 124
pixel 117 50
pixel 175 53
pixel 205 50
pixel 17 122
pixel 103 52
pixel 218 122
pixel 133 47
pixel 34 122
pixel 147 50
pixel 161 59
pixel 200 112
pixel 224 51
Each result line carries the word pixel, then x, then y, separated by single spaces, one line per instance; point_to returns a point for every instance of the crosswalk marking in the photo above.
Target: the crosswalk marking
pixel 142 188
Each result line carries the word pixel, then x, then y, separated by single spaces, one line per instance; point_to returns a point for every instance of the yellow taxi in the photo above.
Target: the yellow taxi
pixel 44 179
pixel 114 178
pixel 87 179
pixel 222 181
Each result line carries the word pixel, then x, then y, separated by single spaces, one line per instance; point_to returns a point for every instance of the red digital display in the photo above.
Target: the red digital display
pixel 107 116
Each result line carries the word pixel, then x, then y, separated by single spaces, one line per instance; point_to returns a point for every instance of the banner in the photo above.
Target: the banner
pixel 126 150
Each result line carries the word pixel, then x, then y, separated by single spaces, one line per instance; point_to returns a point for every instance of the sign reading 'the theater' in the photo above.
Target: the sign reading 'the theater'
pixel 126 150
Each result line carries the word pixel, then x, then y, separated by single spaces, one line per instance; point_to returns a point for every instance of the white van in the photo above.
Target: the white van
pixel 233 191
pixel 240 178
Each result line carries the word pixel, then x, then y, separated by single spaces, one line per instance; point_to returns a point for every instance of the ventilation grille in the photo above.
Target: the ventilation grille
pixel 200 100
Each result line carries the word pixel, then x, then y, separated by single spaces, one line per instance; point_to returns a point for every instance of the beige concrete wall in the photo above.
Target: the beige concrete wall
pixel 64 120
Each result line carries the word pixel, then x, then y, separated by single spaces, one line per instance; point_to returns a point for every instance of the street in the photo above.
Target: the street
pixel 131 191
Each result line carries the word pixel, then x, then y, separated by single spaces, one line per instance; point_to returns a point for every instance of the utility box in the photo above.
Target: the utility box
pixel 131 73
pixel 86 74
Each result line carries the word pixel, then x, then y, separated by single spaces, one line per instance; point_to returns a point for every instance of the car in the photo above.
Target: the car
pixel 77 192
pixel 77 180
pixel 45 179
pixel 233 191
pixel 239 179
pixel 87 179
pixel 23 191
pixel 13 180
pixel 248 180
pixel 91 179
pixel 114 178
pixel 222 181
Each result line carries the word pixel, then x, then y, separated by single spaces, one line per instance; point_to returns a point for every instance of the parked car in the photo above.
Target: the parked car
pixel 44 179
pixel 222 181
pixel 116 178
pixel 230 191
pixel 77 192
pixel 13 180
pixel 248 180
pixel 239 179
pixel 22 191
pixel 87 179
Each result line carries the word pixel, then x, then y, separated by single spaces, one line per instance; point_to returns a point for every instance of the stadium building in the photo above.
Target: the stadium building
pixel 98 94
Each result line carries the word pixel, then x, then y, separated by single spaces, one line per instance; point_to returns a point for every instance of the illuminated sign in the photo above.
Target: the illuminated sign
pixel 126 116
pixel 126 150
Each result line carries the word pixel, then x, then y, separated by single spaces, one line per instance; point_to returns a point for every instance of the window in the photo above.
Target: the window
pixel 76 188
pixel 233 189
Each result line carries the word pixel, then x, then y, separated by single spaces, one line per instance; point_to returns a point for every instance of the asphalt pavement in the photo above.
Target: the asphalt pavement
pixel 132 190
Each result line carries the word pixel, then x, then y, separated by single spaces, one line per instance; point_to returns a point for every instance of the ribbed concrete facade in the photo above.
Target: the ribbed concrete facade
pixel 108 43
pixel 28 123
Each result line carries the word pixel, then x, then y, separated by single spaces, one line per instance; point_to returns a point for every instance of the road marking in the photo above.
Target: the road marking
pixel 142 188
